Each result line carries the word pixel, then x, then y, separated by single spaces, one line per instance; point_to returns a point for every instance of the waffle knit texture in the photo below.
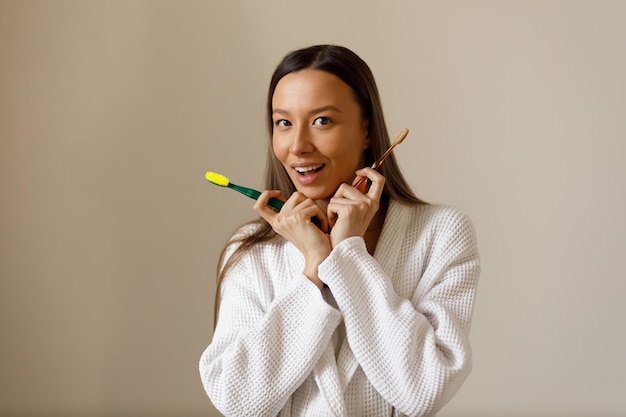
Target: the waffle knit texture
pixel 406 311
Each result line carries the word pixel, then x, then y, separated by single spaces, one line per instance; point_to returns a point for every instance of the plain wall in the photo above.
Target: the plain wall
pixel 112 111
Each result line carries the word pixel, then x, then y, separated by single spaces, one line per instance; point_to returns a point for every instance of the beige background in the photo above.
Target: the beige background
pixel 111 112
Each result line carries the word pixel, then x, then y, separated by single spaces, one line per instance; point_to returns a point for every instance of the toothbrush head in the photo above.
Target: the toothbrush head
pixel 217 179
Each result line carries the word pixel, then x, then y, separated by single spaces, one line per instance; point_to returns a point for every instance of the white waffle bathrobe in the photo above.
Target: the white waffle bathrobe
pixel 405 312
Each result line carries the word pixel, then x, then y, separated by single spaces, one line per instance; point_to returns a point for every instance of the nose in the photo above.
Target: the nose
pixel 301 142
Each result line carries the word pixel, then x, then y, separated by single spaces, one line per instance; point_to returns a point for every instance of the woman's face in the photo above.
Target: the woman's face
pixel 319 132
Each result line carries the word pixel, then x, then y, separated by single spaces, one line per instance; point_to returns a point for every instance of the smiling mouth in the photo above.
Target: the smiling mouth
pixel 308 170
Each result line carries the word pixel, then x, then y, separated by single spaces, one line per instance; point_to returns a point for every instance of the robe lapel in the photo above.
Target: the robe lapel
pixel 325 371
pixel 386 254
pixel 391 237
pixel 327 379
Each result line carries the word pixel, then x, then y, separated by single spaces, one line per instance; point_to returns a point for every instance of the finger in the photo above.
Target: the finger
pixel 349 192
pixel 315 213
pixel 320 220
pixel 344 197
pixel 298 204
pixel 294 200
pixel 261 207
pixel 376 179
pixel 331 218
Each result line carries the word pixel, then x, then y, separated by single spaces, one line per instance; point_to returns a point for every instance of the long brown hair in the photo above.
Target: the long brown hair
pixel 352 70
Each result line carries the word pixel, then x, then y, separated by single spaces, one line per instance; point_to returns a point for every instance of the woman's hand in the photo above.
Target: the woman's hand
pixel 294 223
pixel 350 211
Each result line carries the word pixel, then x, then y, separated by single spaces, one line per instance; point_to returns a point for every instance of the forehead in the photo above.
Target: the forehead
pixel 312 88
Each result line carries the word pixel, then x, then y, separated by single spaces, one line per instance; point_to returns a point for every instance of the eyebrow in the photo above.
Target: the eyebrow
pixel 314 111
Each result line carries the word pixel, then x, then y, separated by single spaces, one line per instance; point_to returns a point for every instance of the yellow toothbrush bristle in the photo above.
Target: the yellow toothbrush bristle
pixel 217 179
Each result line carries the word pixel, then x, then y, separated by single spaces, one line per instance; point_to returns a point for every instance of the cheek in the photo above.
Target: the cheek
pixel 279 149
pixel 349 154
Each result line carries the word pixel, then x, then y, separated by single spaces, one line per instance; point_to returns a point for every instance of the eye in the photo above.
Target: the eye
pixel 322 121
pixel 282 123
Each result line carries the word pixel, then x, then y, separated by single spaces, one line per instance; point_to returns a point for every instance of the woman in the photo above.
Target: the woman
pixel 364 311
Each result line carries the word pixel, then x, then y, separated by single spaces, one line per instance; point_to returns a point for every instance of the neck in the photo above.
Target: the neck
pixel 379 218
pixel 323 204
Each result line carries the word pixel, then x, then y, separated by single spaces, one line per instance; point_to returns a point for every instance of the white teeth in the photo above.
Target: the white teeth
pixel 302 170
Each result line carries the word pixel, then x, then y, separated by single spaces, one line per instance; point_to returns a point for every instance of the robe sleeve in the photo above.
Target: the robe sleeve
pixel 260 354
pixel 415 352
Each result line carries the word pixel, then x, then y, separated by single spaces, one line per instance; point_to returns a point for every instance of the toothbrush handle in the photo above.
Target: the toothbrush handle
pixel 278 204
pixel 272 202
pixel 362 182
pixel 275 203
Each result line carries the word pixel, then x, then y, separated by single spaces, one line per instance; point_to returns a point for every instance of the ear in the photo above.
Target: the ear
pixel 366 140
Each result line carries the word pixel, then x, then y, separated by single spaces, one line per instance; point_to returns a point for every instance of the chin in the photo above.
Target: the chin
pixel 318 194
pixel 314 195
